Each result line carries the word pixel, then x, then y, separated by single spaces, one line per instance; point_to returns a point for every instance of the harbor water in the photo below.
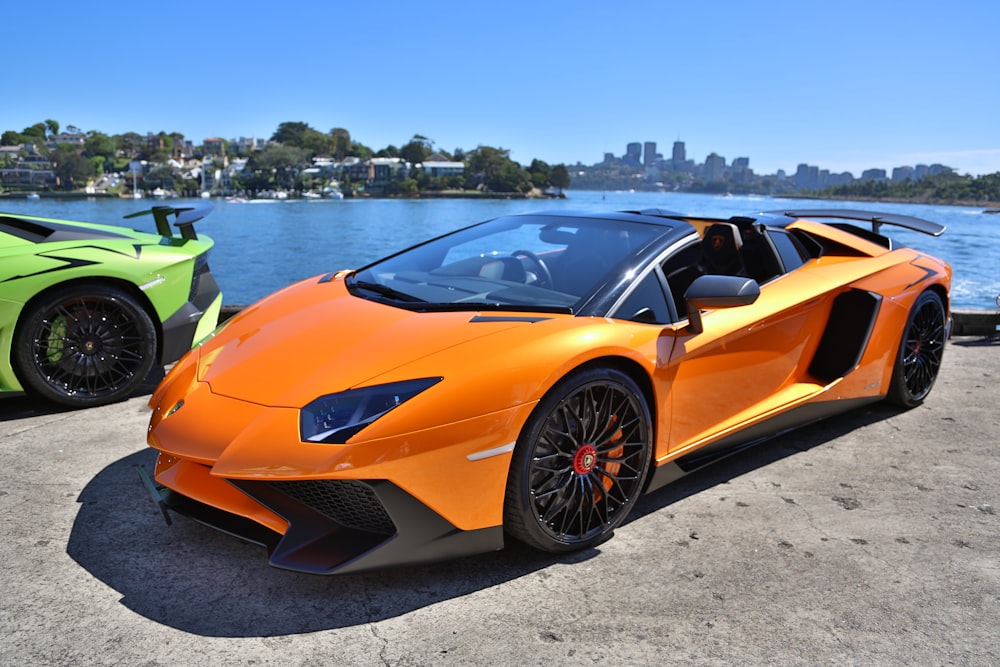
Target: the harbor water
pixel 264 246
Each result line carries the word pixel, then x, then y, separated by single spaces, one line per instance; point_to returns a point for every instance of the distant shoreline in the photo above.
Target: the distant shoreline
pixel 57 195
pixel 467 194
pixel 471 194
pixel 534 195
pixel 895 200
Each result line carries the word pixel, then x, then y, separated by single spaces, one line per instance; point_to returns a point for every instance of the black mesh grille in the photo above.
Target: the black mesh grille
pixel 350 503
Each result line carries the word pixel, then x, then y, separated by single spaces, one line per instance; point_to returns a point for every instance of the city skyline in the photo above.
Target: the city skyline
pixel 638 154
pixel 859 86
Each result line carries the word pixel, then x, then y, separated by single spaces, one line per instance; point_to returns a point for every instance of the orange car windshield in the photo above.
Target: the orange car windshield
pixel 523 262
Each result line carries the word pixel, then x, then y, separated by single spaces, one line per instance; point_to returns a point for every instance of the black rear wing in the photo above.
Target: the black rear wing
pixel 877 219
pixel 186 217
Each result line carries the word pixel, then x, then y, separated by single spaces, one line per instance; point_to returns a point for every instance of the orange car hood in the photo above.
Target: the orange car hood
pixel 314 338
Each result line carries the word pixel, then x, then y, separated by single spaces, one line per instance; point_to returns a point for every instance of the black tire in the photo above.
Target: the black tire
pixel 920 350
pixel 580 462
pixel 84 345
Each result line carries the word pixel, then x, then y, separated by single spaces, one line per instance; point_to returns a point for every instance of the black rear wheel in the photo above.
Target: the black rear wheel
pixel 580 463
pixel 919 357
pixel 84 345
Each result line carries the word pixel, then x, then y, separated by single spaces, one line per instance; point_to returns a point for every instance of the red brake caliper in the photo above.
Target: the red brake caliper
pixel 584 460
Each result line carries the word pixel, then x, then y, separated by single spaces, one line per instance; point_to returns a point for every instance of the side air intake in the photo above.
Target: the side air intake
pixel 846 335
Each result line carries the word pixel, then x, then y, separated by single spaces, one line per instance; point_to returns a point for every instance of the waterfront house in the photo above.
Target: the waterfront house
pixel 443 168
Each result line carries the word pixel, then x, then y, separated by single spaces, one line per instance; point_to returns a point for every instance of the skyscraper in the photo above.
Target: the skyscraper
pixel 649 153
pixel 679 155
pixel 633 152
pixel 715 165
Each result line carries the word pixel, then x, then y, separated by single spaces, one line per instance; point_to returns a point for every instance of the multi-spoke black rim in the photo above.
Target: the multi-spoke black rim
pixel 923 348
pixel 88 347
pixel 588 462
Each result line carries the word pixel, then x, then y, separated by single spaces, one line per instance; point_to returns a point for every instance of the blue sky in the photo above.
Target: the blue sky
pixel 846 85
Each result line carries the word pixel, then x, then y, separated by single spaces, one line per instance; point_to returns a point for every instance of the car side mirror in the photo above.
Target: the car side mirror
pixel 713 292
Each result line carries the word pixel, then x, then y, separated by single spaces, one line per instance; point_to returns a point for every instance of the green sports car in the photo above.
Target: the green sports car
pixel 86 310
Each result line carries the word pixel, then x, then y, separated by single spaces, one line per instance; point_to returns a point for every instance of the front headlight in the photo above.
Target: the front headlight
pixel 335 418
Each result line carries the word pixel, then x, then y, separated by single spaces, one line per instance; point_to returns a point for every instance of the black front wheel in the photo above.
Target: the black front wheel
pixel 580 463
pixel 920 350
pixel 84 345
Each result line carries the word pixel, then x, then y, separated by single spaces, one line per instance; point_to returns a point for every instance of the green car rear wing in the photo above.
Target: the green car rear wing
pixel 186 216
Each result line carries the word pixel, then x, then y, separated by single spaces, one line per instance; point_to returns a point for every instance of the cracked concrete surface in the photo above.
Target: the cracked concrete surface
pixel 870 538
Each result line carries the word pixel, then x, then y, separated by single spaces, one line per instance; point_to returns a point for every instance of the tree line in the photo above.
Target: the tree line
pixel 282 162
pixel 949 188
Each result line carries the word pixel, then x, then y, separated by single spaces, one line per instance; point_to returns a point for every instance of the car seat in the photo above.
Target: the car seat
pixel 720 250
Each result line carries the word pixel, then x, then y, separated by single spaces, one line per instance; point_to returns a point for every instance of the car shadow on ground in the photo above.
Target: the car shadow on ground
pixel 197 580
pixel 201 581
pixel 764 454
pixel 21 406
pixel 985 341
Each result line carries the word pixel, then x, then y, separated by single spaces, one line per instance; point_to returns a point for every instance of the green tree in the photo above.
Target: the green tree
pixel 99 145
pixel 540 174
pixel 10 138
pixel 341 142
pixel 317 143
pixel 509 177
pixel 559 176
pixel 53 127
pixel 485 160
pixel 160 176
pixel 36 131
pixel 130 143
pixel 98 162
pixel 360 151
pixel 291 133
pixel 417 150
pixel 944 188
pixel 493 168
pixel 407 186
pixel 252 182
pixel 72 169
pixel 166 141
pixel 279 164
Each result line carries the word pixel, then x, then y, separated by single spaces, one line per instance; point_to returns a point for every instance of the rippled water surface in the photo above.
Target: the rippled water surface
pixel 261 247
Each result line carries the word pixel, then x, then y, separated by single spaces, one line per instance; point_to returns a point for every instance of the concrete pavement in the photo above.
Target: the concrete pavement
pixel 872 538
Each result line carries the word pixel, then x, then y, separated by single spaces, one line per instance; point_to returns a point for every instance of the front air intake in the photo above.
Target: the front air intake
pixel 350 503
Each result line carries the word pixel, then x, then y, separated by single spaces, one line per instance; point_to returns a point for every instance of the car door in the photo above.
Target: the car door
pixel 749 362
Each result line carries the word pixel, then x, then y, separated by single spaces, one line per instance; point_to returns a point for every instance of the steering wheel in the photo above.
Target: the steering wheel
pixel 544 278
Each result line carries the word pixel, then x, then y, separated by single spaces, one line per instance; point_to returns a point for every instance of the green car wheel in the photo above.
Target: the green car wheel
pixel 85 345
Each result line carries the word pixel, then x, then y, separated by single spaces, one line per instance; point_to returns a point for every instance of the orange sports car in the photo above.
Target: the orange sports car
pixel 531 376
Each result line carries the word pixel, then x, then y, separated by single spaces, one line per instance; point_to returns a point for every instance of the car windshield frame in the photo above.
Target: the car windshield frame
pixel 527 262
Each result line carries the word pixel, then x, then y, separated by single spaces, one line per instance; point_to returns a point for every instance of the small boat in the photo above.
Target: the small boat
pixel 992 210
pixel 32 195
